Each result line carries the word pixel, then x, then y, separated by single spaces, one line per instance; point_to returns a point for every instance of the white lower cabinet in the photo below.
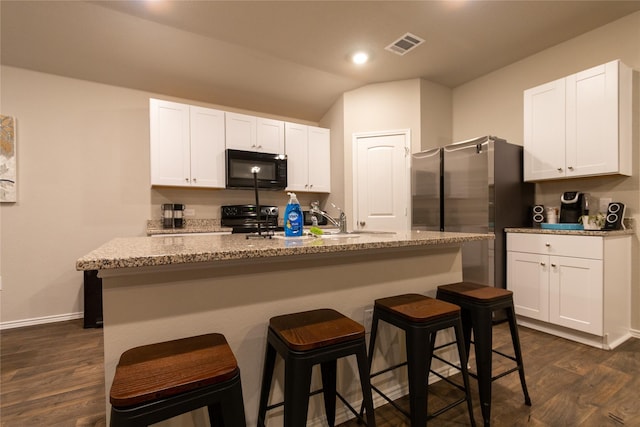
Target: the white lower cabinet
pixel 574 286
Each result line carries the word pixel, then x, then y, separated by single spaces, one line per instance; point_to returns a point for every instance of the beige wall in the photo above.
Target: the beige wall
pixel 378 107
pixel 83 175
pixel 494 104
pixel 420 106
pixel 436 115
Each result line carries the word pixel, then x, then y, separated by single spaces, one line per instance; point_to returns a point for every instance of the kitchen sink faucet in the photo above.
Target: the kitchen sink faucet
pixel 341 222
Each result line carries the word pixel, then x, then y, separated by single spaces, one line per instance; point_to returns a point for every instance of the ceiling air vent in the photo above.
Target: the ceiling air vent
pixel 404 44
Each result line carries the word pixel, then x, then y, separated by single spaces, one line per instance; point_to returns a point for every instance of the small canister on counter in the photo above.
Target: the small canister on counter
pixel 167 215
pixel 178 215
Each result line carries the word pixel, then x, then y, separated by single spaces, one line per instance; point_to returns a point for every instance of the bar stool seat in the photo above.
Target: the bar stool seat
pixel 421 317
pixel 159 381
pixel 306 339
pixel 478 303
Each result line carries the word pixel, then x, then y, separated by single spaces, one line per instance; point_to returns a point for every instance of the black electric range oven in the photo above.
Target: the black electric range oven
pixel 244 218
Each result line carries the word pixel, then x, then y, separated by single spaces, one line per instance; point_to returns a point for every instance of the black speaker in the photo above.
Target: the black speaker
pixel 615 215
pixel 537 215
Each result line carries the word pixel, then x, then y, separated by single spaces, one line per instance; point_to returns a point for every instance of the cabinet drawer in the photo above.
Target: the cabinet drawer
pixel 552 244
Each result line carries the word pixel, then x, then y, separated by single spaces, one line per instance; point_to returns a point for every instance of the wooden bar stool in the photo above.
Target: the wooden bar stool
pixel 306 339
pixel 421 317
pixel 478 302
pixel 159 381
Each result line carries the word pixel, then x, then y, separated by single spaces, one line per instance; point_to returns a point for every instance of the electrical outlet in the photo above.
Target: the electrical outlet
pixel 367 318
pixel 189 212
pixel 604 204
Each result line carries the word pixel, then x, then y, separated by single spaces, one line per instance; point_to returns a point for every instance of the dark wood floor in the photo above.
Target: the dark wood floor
pixel 51 375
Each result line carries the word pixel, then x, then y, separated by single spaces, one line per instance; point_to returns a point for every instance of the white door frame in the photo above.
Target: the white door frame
pixel 407 176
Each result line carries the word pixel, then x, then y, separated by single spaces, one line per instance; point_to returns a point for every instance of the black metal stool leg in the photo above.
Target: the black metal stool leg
pixel 372 347
pixel 328 370
pixel 482 324
pixel 515 339
pixel 267 376
pixel 367 397
pixel 463 356
pixel 417 348
pixel 297 383
pixel 373 336
pixel 231 409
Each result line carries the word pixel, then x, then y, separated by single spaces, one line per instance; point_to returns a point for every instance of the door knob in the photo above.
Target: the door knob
pixel 362 223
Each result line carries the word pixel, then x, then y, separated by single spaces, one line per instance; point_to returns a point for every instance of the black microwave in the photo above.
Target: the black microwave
pixel 272 174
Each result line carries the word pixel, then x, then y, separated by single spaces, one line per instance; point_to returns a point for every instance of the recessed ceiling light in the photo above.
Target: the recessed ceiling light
pixel 360 58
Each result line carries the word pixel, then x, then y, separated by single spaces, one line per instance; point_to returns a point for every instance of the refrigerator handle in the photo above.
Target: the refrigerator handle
pixel 427 154
pixel 474 144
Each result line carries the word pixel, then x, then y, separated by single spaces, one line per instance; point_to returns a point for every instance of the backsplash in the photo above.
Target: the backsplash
pixel 206 202
pixel 617 188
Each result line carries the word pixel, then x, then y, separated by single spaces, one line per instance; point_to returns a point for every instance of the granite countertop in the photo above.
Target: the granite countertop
pixel 154 227
pixel 164 250
pixel 601 233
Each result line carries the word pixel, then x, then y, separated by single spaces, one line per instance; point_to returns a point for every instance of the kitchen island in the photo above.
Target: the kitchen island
pixel 167 287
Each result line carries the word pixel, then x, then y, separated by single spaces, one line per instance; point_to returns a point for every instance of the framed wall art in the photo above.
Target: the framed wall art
pixel 8 176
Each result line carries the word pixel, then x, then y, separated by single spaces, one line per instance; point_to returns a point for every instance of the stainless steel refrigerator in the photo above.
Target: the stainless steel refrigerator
pixel 473 186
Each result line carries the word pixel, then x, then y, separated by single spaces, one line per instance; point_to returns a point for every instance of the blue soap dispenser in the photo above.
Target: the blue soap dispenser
pixel 293 218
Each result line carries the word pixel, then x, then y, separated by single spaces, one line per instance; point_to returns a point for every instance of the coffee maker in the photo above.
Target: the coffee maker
pixel 573 205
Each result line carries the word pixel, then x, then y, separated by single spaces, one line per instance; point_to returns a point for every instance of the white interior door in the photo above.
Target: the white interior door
pixel 381 181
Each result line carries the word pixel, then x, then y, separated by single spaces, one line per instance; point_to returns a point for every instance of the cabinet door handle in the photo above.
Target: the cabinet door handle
pixel 186 180
pixel 570 168
pixel 553 265
pixel 547 244
pixel 559 169
pixel 542 264
pixel 310 185
pixel 195 180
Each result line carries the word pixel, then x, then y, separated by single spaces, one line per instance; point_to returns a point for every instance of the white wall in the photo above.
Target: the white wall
pixel 494 104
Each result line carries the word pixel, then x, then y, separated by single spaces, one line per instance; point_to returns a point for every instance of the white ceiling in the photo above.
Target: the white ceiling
pixel 287 58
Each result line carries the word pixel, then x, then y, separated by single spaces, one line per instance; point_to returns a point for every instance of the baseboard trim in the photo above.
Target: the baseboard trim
pixel 40 320
pixel 635 333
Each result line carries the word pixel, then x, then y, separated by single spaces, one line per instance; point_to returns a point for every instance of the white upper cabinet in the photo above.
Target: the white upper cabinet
pixel 187 145
pixel 308 158
pixel 207 147
pixel 250 133
pixel 270 135
pixel 319 159
pixel 579 125
pixel 544 131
